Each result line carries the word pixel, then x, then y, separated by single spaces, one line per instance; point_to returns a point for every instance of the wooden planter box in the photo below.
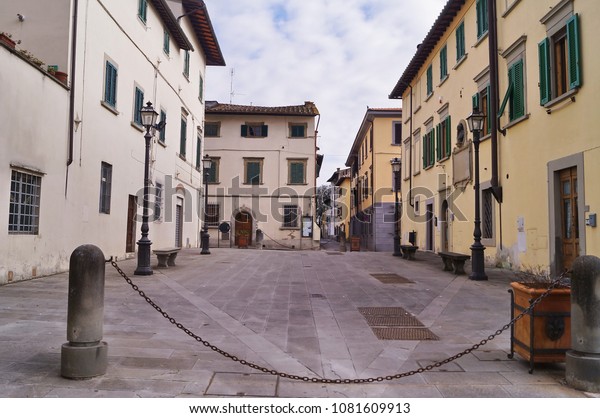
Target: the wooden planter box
pixel 544 334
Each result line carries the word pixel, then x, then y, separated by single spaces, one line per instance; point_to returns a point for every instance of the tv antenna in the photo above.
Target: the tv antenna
pixel 232 93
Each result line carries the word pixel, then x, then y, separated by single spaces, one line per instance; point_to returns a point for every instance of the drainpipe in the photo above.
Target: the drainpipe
pixel 493 54
pixel 410 141
pixel 72 93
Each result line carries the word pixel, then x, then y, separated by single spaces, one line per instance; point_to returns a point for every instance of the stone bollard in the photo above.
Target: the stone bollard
pixel 343 243
pixel 85 355
pixel 583 360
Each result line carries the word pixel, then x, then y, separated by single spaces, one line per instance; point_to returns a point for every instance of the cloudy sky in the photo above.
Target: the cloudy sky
pixel 344 55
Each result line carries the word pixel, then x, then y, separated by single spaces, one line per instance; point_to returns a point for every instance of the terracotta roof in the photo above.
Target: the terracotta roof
pixel 307 109
pixel 438 29
pixel 198 15
pixel 205 33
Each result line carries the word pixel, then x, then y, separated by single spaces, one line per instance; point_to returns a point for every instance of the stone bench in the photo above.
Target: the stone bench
pixel 454 261
pixel 166 256
pixel 408 251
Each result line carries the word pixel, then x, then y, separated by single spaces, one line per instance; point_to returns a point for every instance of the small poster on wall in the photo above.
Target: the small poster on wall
pixel 306 226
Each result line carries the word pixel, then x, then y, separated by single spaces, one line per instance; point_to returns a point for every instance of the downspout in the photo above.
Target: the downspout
pixel 72 92
pixel 410 160
pixel 493 54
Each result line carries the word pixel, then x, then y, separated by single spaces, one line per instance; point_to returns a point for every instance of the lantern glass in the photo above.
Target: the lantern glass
pixel 396 163
pixel 149 115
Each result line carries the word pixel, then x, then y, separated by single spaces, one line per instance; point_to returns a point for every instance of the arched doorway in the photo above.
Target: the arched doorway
pixel 243 229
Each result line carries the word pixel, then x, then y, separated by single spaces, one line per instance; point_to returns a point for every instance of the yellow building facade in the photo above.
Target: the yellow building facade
pixel 371 210
pixel 537 159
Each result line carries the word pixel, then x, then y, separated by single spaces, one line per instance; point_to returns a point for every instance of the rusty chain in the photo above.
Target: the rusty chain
pixel 429 367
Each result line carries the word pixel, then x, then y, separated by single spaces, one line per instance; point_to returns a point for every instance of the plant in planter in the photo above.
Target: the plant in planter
pixel 543 334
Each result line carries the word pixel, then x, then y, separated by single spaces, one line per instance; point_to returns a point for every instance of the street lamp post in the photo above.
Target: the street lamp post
pixel 204 239
pixel 148 116
pixel 396 167
pixel 475 121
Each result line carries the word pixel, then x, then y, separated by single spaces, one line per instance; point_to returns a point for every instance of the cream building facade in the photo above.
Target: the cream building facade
pixel 538 160
pixel 262 182
pixel 372 199
pixel 72 152
pixel 340 202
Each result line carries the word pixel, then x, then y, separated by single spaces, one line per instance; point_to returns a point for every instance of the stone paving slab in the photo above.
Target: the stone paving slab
pixel 294 312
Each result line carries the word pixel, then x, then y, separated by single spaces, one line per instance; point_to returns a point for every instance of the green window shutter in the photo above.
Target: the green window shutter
pixel 544 61
pixel 438 142
pixel 183 138
pixel 425 152
pixel 448 136
pixel 200 88
pixel 460 41
pixel 573 45
pixel 265 130
pixel 476 101
pixel 517 104
pixel 507 95
pixel 297 173
pixel 199 153
pixel 163 131
pixel 443 62
pixel 429 80
pixel 139 103
pixel 432 147
pixel 244 130
pixel 110 85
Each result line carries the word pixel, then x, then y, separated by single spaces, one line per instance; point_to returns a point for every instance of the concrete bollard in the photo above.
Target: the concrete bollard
pixel 85 355
pixel 583 360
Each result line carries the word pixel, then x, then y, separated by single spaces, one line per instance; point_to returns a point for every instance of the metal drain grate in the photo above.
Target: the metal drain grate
pixel 404 334
pixel 393 321
pixel 384 311
pixel 334 253
pixel 390 278
pixel 317 296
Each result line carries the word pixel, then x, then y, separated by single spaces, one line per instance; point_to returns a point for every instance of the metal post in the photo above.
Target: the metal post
pixel 205 235
pixel 85 355
pixel 477 249
pixel 583 360
pixel 397 251
pixel 144 244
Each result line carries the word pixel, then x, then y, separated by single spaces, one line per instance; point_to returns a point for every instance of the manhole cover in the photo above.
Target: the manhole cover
pixel 404 334
pixel 333 253
pixel 317 296
pixel 384 311
pixel 393 321
pixel 390 278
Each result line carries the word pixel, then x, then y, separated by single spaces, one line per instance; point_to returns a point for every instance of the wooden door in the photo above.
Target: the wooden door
pixel 131 215
pixel 243 227
pixel 568 217
pixel 444 220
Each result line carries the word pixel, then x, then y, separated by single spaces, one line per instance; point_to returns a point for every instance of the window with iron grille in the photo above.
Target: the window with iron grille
pixel 487 214
pixel 105 187
pixel 212 214
pixel 212 129
pixel 296 171
pixel 255 130
pixel 290 216
pixel 24 207
pixel 253 171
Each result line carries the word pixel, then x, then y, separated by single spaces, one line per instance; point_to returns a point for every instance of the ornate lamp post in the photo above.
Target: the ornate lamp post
pixel 396 167
pixel 475 121
pixel 148 115
pixel 204 238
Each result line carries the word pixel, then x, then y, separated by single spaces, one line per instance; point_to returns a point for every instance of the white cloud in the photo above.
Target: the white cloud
pixel 344 55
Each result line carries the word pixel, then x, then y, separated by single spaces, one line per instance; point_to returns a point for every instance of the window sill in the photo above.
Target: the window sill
pixel 253 184
pixel 289 228
pixel 109 107
pixel 182 157
pixel 443 159
pixel 416 173
pixel 510 9
pixel 162 143
pixel 568 95
pixel 481 39
pixel 443 80
pixel 297 137
pixel 212 136
pixel 297 184
pixel 254 137
pixel 213 182
pixel 460 61
pixel 417 109
pixel 137 126
pixel 516 121
pixel 428 167
pixel 429 96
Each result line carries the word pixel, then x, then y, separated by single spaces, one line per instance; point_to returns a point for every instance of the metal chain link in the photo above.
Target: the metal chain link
pixel 429 367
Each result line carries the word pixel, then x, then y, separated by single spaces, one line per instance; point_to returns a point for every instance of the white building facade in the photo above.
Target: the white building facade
pixel 72 154
pixel 262 182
